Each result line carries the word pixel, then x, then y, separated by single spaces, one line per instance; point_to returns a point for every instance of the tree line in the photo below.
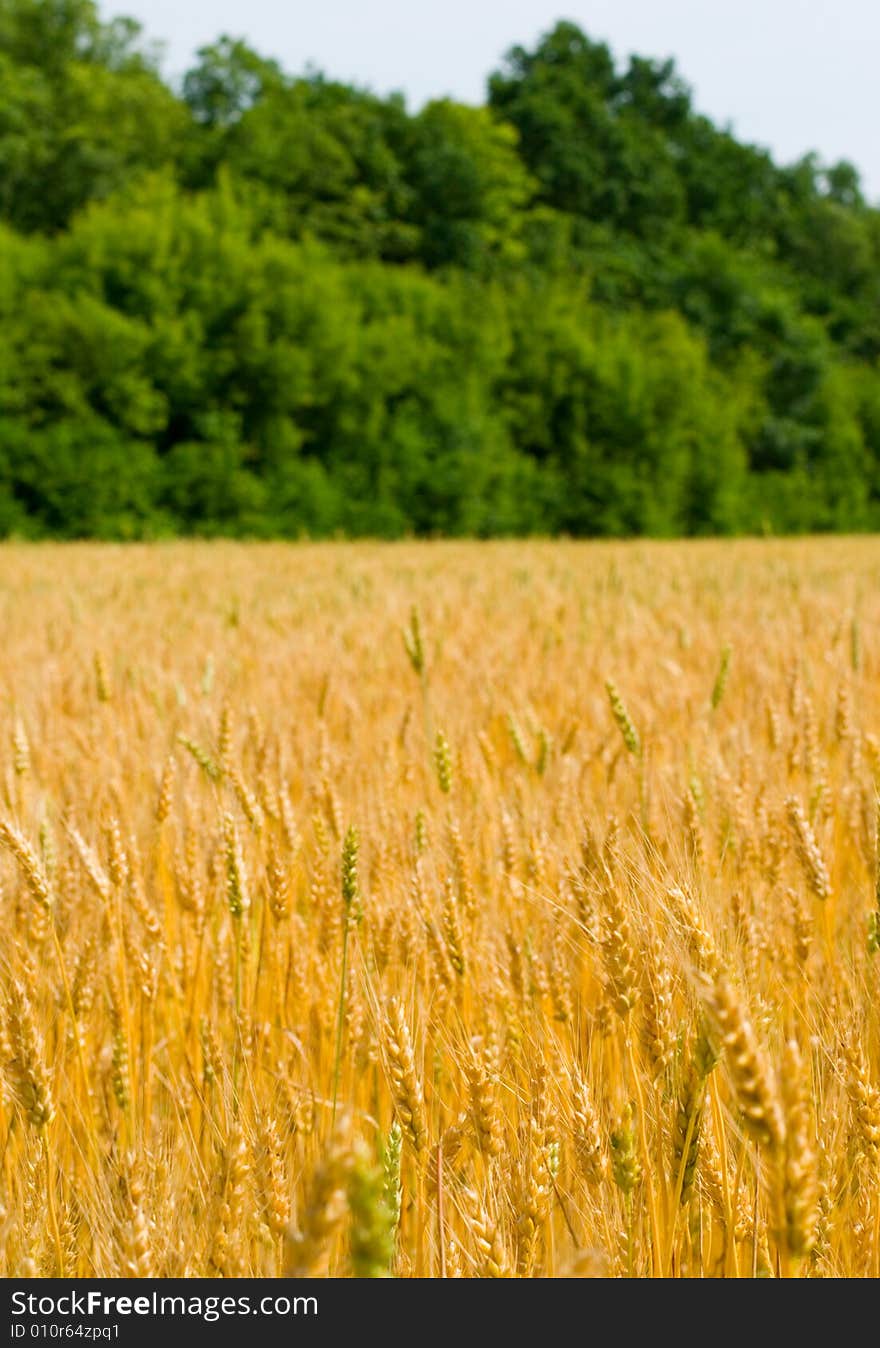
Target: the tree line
pixel 261 304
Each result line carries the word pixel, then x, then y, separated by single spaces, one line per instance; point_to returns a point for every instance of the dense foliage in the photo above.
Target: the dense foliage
pixel 272 305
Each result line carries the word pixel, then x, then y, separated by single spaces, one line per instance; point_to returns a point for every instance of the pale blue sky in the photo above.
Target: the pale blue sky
pixel 793 75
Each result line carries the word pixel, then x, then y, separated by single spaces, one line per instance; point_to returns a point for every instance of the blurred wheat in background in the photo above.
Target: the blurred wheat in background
pixel 440 910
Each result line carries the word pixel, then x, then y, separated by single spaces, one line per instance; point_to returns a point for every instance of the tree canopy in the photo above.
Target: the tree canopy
pixel 272 304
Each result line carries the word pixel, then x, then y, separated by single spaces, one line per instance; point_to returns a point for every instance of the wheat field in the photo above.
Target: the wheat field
pixel 440 910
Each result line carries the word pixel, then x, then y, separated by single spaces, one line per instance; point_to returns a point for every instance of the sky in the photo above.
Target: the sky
pixel 791 75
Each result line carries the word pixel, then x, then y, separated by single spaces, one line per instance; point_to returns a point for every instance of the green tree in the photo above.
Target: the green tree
pixel 278 305
pixel 228 80
pixel 329 157
pixel 82 109
pixel 469 187
pixel 583 136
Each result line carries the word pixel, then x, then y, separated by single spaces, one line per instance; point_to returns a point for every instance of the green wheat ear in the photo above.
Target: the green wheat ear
pixel 412 640
pixel 393 1185
pixel 721 677
pixel 516 738
pixel 372 1230
pixel 443 762
pixel 874 917
pixel 625 1164
pixel 623 719
pixel 351 898
pixel 351 894
pixel 209 767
